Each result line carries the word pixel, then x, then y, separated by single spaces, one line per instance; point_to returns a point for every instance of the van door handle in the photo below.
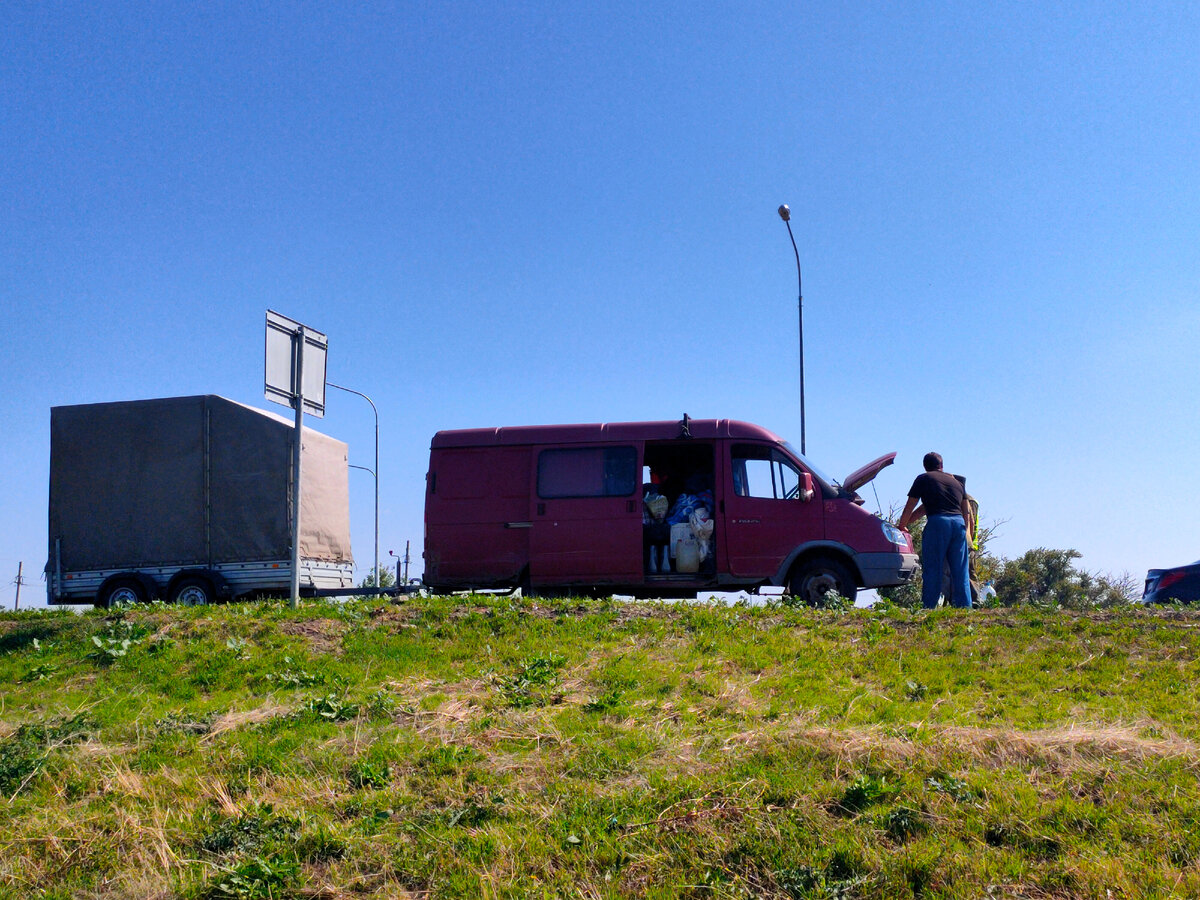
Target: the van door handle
pixel 721 506
pixel 541 509
pixel 629 506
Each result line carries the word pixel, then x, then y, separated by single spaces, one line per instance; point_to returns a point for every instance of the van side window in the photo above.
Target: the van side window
pixel 587 472
pixel 763 472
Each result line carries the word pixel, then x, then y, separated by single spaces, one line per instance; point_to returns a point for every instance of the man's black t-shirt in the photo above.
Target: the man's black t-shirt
pixel 940 493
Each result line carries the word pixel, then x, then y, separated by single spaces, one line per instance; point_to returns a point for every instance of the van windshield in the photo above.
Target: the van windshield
pixel 825 480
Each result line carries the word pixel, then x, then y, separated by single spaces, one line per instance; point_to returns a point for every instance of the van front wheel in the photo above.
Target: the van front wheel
pixel 814 579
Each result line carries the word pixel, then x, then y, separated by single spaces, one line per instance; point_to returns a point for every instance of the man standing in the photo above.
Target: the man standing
pixel 947 526
pixel 972 548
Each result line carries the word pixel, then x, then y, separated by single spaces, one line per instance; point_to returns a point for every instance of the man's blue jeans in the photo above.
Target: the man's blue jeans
pixel 945 539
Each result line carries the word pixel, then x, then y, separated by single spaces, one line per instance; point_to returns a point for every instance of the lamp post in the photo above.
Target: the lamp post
pixel 786 215
pixel 375 473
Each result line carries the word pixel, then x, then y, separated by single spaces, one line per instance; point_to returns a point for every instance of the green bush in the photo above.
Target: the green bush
pixel 1048 578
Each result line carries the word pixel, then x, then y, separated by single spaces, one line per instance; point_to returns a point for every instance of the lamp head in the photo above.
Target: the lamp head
pixel 785 213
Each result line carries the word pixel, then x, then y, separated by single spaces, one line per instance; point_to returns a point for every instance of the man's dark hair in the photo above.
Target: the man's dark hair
pixel 933 462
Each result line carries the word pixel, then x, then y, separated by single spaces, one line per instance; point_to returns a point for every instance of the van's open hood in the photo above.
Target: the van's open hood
pixel 859 477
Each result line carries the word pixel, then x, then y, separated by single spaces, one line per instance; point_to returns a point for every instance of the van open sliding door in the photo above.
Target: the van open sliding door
pixel 587 516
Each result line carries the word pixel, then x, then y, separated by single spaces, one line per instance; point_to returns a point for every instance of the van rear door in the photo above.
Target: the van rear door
pixel 476 516
pixel 765 517
pixel 587 516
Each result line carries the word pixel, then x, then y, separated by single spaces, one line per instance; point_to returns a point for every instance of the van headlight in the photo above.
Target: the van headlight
pixel 894 534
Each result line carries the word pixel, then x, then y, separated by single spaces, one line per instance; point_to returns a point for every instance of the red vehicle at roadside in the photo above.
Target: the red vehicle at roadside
pixel 560 507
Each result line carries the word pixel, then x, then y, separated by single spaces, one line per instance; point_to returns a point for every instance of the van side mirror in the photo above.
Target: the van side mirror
pixel 806 487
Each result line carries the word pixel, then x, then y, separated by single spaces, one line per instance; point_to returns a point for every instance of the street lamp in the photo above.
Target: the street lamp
pixel 786 215
pixel 375 473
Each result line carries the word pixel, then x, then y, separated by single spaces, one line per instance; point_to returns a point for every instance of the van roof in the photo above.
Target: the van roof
pixel 597 433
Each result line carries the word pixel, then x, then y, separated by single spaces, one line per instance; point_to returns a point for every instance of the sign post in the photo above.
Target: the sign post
pixel 297 459
pixel 295 377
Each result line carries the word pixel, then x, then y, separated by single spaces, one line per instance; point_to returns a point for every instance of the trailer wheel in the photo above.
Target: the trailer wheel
pixel 813 579
pixel 124 592
pixel 192 592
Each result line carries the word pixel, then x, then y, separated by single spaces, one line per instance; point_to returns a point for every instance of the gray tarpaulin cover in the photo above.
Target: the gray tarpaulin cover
pixel 189 481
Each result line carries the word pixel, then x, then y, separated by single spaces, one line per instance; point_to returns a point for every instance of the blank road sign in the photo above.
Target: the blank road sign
pixel 281 363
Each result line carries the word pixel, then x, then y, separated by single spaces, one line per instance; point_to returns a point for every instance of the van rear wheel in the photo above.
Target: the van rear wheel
pixel 813 579
pixel 525 584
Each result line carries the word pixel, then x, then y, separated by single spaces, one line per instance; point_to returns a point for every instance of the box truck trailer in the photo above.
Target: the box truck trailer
pixel 188 499
pixel 564 507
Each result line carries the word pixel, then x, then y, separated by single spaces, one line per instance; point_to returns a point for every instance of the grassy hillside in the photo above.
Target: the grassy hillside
pixel 452 747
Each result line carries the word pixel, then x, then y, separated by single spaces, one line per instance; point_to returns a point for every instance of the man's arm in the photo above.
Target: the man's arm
pixel 965 507
pixel 907 516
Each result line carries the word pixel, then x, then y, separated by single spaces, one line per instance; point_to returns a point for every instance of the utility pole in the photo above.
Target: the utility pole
pixel 20 581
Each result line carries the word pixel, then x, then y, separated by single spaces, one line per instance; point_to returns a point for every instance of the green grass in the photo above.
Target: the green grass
pixel 486 747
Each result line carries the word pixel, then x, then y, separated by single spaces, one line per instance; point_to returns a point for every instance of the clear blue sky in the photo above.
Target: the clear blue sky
pixel 541 212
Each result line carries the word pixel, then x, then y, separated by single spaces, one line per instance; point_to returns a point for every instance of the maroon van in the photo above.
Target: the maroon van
pixel 563 507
